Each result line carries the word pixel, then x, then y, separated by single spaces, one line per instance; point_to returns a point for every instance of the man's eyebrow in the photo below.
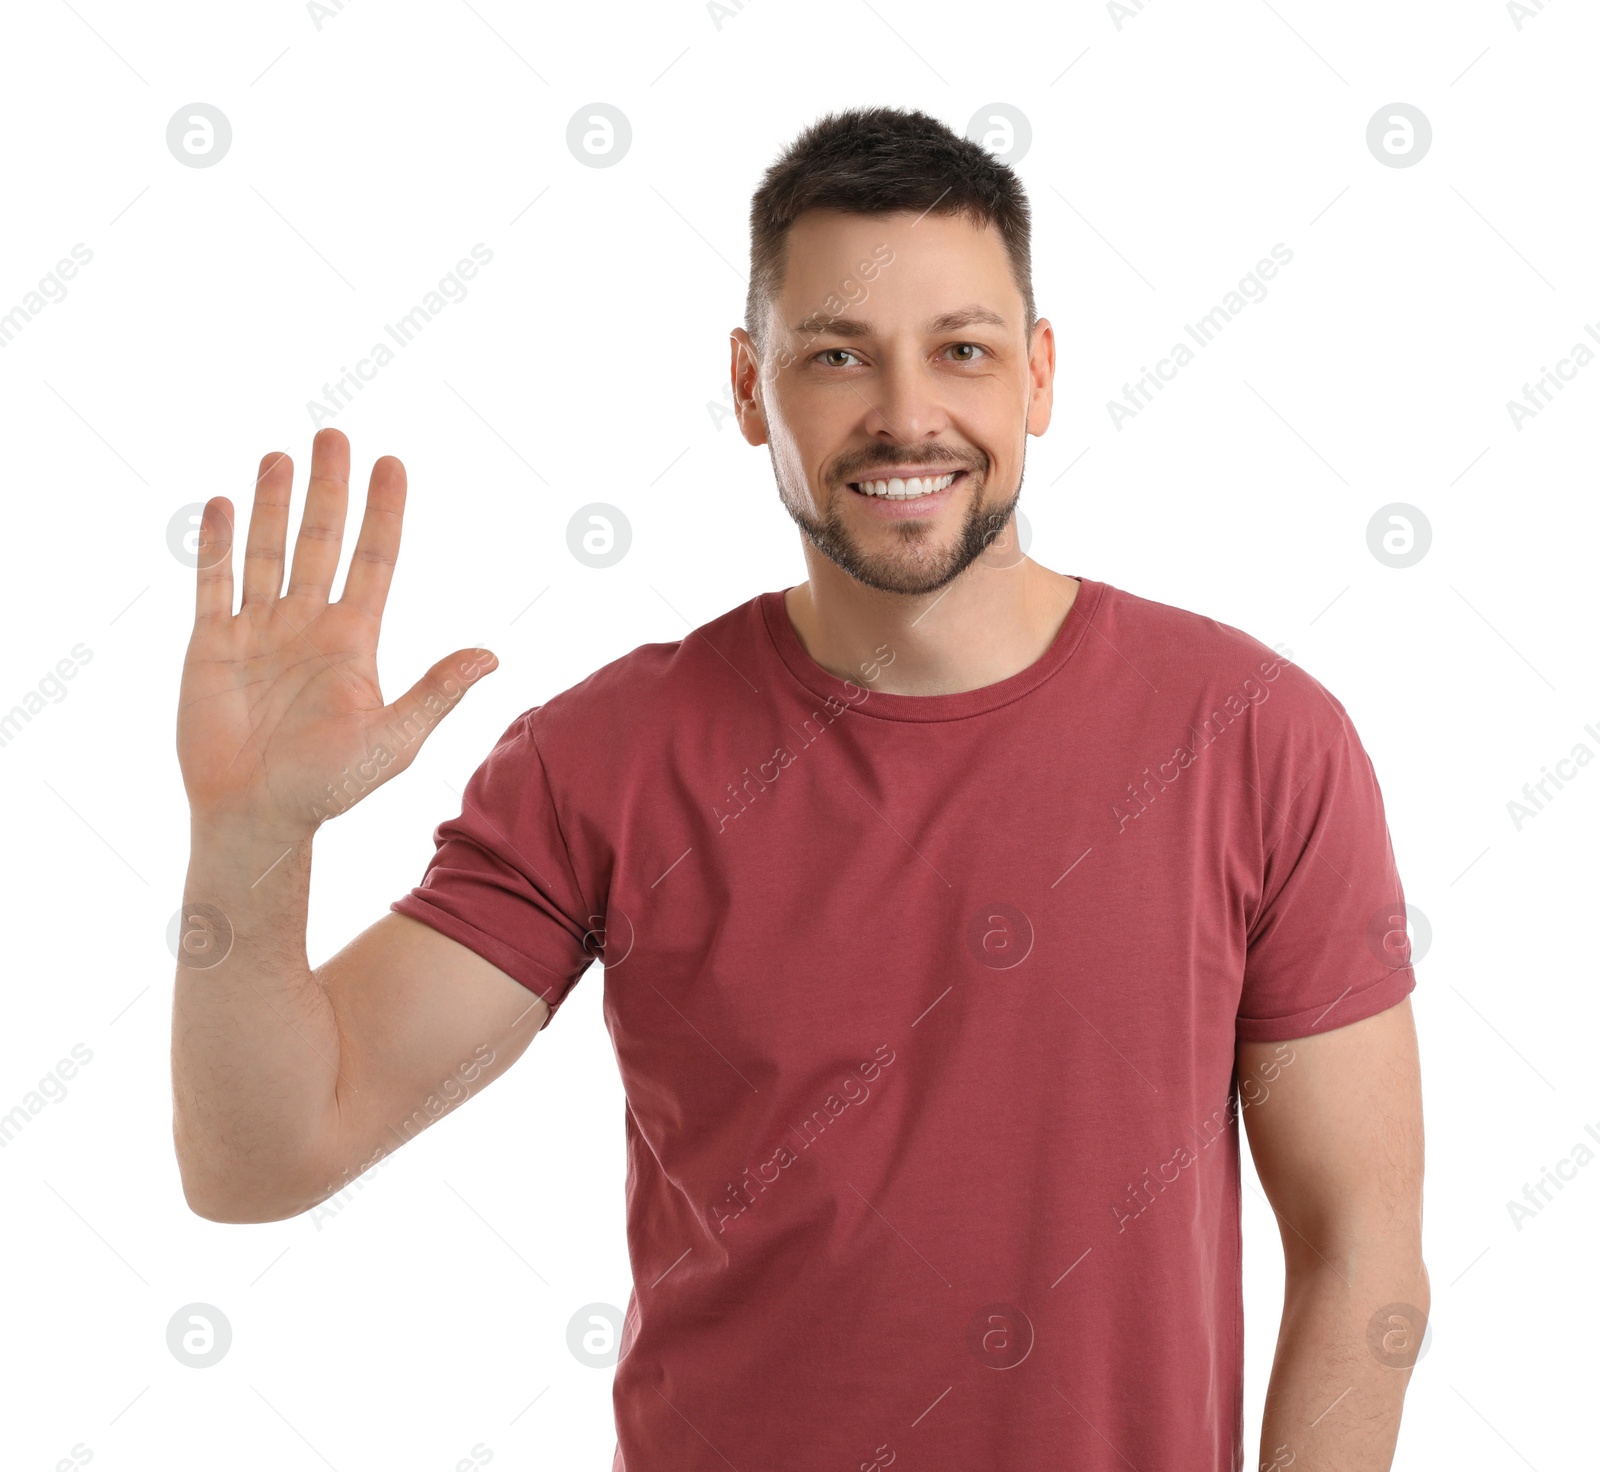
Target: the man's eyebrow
pixel 819 323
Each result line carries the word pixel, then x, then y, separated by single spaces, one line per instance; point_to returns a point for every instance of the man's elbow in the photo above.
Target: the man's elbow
pixel 1379 1245
pixel 239 1210
pixel 244 1195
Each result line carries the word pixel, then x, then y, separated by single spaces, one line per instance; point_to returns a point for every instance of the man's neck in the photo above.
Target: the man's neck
pixel 986 626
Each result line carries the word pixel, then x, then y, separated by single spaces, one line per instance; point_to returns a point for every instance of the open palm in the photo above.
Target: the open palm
pixel 281 722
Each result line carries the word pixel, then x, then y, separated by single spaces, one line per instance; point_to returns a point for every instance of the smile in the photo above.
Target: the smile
pixel 907 488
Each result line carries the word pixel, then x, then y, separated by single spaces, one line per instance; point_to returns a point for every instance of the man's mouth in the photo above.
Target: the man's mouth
pixel 906 487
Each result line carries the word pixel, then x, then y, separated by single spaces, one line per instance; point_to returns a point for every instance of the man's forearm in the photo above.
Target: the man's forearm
pixel 255 1045
pixel 1351 1331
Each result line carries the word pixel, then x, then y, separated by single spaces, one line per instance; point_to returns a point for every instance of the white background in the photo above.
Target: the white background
pixel 429 1314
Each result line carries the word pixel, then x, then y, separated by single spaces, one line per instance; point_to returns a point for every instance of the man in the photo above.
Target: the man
pixel 953 910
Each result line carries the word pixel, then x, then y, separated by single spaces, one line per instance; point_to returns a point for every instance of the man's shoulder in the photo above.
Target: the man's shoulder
pixel 655 687
pixel 1204 659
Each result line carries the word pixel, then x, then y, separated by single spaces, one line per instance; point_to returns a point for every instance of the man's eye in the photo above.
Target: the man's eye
pixel 965 352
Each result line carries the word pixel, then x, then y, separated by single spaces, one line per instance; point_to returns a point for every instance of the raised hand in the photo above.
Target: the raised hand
pixel 281 723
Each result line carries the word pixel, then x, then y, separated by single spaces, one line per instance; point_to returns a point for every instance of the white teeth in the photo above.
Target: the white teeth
pixel 904 490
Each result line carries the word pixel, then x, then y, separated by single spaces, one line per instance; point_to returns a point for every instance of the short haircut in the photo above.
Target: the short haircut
pixel 875 161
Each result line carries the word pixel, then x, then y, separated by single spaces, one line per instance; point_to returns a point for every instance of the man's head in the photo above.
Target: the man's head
pixel 889 328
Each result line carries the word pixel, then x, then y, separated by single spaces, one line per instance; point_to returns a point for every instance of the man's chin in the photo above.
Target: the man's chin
pixel 913 569
pixel 908 582
pixel 904 559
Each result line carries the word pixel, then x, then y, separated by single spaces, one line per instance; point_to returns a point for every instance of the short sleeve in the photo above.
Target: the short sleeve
pixel 1327 945
pixel 501 881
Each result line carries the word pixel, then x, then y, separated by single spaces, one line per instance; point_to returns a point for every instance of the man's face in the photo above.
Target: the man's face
pixel 896 359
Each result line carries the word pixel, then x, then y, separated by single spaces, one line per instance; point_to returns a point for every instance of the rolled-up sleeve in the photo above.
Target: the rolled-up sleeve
pixel 1327 945
pixel 501 880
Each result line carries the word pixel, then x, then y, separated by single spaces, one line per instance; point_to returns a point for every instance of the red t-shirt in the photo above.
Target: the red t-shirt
pixel 925 1009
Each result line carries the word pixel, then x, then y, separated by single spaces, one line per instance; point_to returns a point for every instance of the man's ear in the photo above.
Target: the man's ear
pixel 745 370
pixel 1041 376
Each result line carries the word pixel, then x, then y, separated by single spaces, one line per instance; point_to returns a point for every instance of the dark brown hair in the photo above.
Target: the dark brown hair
pixel 874 161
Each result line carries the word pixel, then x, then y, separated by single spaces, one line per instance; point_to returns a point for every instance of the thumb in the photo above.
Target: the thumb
pixel 412 718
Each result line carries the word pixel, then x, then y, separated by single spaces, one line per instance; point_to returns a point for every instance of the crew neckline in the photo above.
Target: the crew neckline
pixel 954 706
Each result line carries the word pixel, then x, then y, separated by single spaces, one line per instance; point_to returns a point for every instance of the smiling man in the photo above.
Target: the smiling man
pixel 953 912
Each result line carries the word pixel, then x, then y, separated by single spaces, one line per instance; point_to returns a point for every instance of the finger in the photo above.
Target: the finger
pixel 421 708
pixel 316 549
pixel 269 528
pixel 213 587
pixel 366 585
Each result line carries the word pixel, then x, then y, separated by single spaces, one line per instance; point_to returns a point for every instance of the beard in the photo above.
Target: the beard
pixel 916 564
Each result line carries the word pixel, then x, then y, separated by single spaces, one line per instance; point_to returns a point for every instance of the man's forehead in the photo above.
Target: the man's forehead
pixel 841 270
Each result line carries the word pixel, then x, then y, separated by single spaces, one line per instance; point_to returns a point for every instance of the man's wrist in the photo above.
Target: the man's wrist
pixel 240 856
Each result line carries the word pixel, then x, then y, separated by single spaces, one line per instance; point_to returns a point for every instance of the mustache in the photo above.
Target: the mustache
pixel 858 467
